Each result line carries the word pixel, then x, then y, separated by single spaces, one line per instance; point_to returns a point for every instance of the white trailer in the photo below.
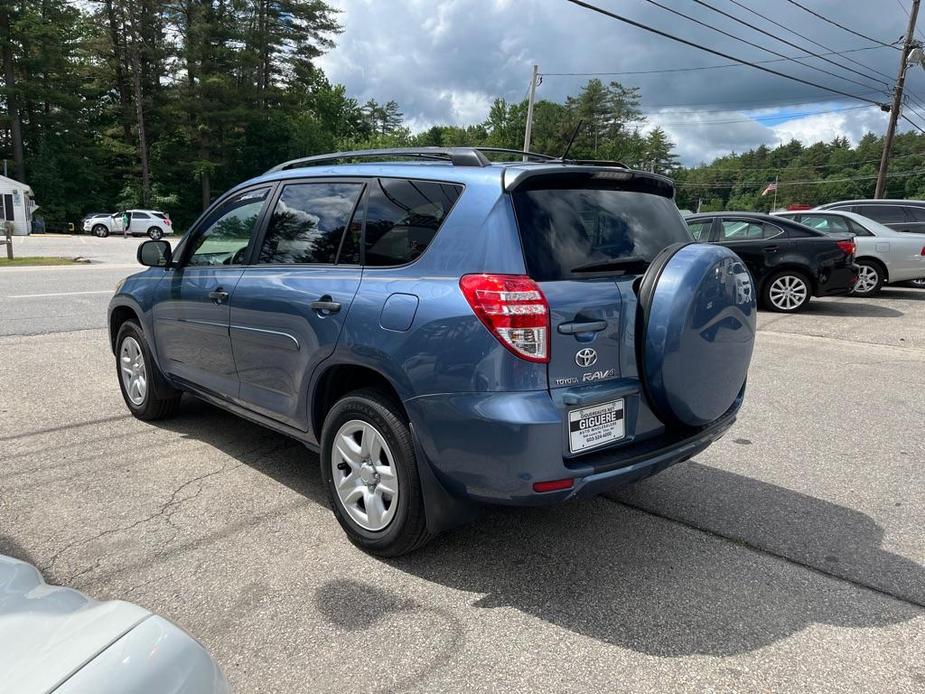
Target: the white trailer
pixel 17 204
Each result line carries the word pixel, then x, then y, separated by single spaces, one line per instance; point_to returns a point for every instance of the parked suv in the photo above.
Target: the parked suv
pixel 791 263
pixel 446 332
pixel 140 222
pixel 901 215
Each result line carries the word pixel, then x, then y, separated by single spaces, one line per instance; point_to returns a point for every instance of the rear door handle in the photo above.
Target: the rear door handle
pixel 771 249
pixel 594 326
pixel 325 305
pixel 218 296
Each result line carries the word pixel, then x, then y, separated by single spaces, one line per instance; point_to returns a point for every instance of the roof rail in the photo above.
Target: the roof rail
pixel 457 156
pixel 524 153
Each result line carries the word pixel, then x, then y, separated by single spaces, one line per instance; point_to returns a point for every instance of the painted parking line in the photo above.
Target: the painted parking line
pixel 36 296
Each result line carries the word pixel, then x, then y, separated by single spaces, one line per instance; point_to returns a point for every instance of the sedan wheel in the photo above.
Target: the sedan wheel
pixel 134 374
pixel 788 293
pixel 365 475
pixel 868 280
pixel 919 283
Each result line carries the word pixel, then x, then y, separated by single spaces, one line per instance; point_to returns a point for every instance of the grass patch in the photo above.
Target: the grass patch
pixel 37 260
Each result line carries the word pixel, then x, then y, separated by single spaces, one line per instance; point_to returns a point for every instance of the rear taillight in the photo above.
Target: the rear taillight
pixel 514 309
pixel 848 247
pixel 166 221
pixel 923 250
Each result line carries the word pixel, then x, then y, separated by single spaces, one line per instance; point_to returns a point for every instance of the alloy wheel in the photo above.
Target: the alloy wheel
pixel 365 476
pixel 919 282
pixel 868 278
pixel 788 292
pixel 134 374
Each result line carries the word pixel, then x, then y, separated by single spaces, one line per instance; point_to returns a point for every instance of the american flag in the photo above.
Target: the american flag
pixel 772 187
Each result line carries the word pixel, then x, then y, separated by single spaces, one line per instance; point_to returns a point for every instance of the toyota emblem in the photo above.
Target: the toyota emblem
pixel 586 357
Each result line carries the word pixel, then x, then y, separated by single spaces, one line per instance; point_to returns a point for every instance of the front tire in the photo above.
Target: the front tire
pixel 155 233
pixel 370 470
pixel 870 278
pixel 787 291
pixel 146 392
pixel 100 231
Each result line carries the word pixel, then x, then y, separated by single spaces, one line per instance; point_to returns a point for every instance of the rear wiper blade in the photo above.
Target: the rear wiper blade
pixel 631 264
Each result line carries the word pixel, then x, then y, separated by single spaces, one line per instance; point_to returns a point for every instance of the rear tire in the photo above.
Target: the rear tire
pixel 146 392
pixel 787 291
pixel 100 231
pixel 353 463
pixel 919 283
pixel 155 233
pixel 871 277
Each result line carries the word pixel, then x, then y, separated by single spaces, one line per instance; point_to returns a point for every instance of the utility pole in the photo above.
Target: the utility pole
pixel 533 77
pixel 897 102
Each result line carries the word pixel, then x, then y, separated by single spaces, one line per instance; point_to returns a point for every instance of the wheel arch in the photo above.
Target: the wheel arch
pixel 789 267
pixel 339 379
pixel 117 316
pixel 874 260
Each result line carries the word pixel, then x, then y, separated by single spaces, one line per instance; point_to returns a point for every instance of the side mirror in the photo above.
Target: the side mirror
pixel 155 253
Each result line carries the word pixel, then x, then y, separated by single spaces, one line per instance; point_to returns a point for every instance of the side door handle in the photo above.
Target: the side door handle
pixel 587 327
pixel 218 296
pixel 771 249
pixel 325 305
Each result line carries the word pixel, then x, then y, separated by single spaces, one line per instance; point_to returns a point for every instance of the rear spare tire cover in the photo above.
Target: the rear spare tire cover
pixel 697 333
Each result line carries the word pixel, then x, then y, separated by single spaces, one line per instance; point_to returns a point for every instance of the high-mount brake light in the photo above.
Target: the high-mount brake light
pixel 514 309
pixel 848 247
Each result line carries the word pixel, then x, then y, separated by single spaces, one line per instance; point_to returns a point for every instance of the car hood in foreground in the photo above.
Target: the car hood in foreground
pixel 53 637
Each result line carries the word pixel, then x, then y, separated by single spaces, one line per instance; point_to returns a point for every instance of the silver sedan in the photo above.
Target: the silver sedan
pixel 884 256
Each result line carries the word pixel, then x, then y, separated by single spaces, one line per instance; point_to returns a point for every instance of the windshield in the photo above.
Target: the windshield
pixel 565 230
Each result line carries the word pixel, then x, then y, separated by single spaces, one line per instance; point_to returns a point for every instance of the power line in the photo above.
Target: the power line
pixel 789 43
pixel 678 39
pixel 757 103
pixel 841 26
pixel 813 41
pixel 902 5
pixel 850 164
pixel 912 122
pixel 757 119
pixel 754 45
pixel 694 69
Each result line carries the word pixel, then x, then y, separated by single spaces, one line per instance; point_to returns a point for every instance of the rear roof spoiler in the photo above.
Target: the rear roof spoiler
pixel 545 177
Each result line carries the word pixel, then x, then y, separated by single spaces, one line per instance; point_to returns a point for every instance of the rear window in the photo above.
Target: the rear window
pixel 564 229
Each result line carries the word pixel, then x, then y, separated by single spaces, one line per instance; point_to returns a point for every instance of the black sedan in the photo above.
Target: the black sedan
pixel 789 262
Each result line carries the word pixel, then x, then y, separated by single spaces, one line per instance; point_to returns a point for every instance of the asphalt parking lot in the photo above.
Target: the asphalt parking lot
pixel 787 557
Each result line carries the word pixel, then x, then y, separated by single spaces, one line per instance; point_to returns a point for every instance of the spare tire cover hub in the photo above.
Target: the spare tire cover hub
pixel 698 333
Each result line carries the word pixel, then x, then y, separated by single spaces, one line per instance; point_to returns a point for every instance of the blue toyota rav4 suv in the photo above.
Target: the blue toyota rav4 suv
pixel 446 331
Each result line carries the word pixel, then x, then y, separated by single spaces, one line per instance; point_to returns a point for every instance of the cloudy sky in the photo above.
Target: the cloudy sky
pixel 444 61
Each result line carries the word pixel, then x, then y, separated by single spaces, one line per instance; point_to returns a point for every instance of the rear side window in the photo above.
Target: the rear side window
pixel 308 223
pixel 916 214
pixel 140 215
pixel 700 230
pixel 885 214
pixel 402 218
pixel 566 229
pixel 742 230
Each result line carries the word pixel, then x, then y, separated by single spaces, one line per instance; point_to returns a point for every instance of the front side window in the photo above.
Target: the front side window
pixel 227 233
pixel 308 223
pixel 402 218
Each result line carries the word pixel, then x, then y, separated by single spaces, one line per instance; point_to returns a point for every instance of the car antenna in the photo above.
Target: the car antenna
pixel 571 140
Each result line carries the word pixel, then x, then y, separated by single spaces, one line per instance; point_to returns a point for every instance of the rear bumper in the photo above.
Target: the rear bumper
pixel 492 448
pixel 837 281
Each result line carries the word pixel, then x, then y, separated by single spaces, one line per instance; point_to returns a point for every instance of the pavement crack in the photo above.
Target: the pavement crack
pixel 770 553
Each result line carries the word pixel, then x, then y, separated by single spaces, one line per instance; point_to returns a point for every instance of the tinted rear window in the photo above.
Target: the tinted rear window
pixel 563 229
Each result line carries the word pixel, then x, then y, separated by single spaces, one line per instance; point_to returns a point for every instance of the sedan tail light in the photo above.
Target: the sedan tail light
pixel 514 309
pixel 923 250
pixel 849 247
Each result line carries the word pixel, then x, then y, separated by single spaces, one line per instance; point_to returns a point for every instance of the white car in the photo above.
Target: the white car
pixel 151 222
pixel 57 639
pixel 885 256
